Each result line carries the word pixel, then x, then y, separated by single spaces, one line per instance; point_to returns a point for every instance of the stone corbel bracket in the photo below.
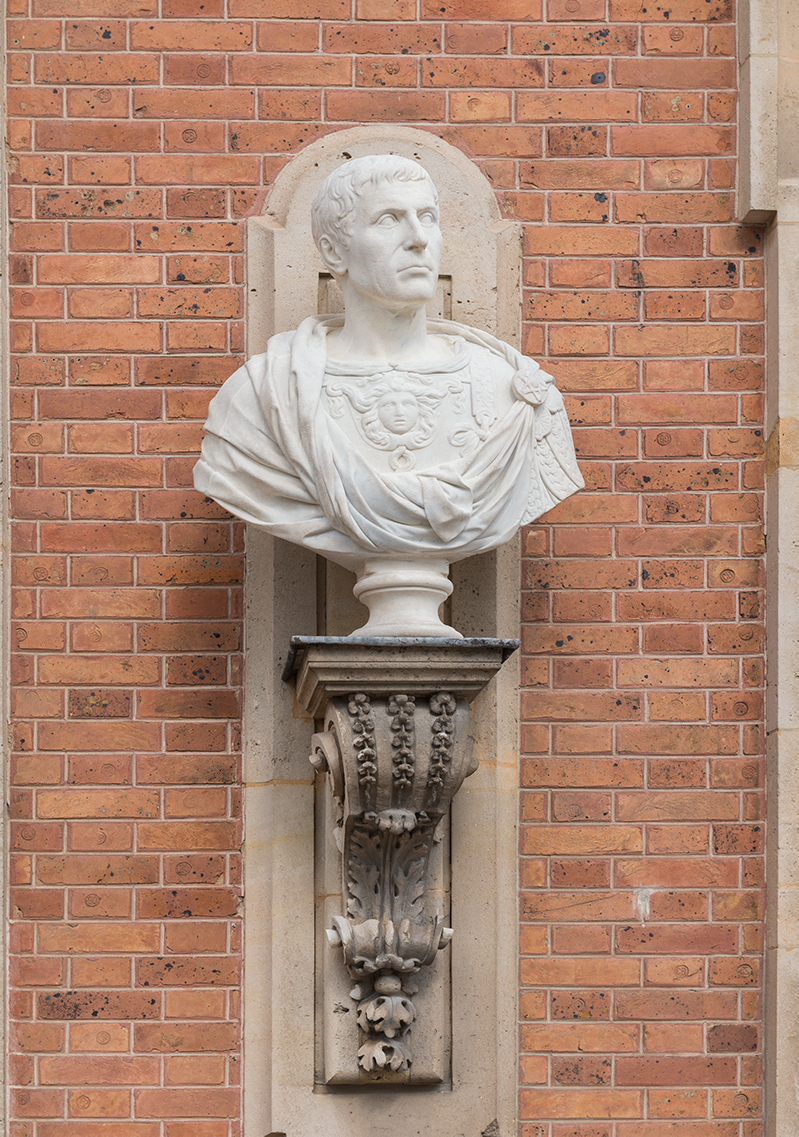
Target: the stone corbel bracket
pixel 395 747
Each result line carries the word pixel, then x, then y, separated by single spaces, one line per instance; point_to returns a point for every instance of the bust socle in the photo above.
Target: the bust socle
pixel 390 443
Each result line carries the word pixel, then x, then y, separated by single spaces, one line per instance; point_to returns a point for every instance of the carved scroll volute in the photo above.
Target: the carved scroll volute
pixel 394 764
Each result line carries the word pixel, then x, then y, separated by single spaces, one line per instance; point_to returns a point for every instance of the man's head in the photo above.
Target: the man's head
pixel 375 223
pixel 339 194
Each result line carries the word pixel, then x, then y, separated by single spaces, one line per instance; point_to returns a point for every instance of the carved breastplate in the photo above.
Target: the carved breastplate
pixel 404 418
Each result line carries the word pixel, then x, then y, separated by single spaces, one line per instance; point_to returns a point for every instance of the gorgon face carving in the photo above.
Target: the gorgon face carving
pixel 395 411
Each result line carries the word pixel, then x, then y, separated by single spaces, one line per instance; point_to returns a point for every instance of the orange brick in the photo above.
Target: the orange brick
pixel 641 602
pixel 565 40
pixel 668 139
pixel 579 1103
pixel 90 1037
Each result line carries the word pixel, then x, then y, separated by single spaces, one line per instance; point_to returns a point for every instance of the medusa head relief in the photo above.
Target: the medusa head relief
pixel 395 411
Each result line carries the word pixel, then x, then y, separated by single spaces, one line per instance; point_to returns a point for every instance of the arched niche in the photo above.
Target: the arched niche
pixel 294 1081
pixel 479 268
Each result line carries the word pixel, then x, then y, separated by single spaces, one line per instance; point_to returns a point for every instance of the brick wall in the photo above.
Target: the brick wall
pixel 140 133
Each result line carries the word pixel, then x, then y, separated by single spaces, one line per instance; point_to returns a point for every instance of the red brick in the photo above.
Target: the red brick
pixel 212 569
pixel 106 202
pixel 481 9
pixel 675 340
pixel 189 770
pixel 91 769
pixel 80 1129
pixel 480 106
pixel 111 504
pixel 589 906
pixel 191 1037
pixel 674 173
pixel 666 140
pixel 196 1071
pixel 87 1037
pixel 105 35
pixel 35 235
pixel 80 337
pixel 586 240
pixel 673 208
pixel 84 1071
pixel 92 303
pixel 363 38
pixel 677 74
pixel 579 207
pixel 186 1103
pixel 586 1037
pixel 593 305
pixel 583 174
pixel 675 1071
pixel 193 136
pixel 96 438
pixel 675 306
pixel 108 103
pixel 188 971
pixel 100 1103
pixel 568 705
pixel 39 35
pixel 198 236
pixel 673 41
pixel 580 972
pixel 584 340
pixel 106 669
pixel 565 40
pixel 681 10
pixel 369 106
pixel 575 106
pixel 101 472
pixel 135 136
pixel 89 837
pixel 187 835
pixel 512 141
pixel 580 1103
pixel 98 171
pixel 205 35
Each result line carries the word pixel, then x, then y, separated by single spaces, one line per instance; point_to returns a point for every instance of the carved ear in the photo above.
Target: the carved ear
pixel 332 256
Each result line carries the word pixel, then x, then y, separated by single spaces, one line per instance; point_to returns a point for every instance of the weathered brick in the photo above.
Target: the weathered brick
pixel 654 558
pixel 205 35
pixel 185 1036
pixel 675 1071
pixel 99 870
pixel 578 40
pixel 680 11
pixel 679 74
pixel 575 106
pixel 667 140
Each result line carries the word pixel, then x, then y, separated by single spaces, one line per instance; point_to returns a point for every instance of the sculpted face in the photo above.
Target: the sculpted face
pixel 398 411
pixel 395 247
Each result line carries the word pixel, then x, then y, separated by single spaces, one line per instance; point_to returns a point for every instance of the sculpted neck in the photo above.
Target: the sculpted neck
pixel 375 333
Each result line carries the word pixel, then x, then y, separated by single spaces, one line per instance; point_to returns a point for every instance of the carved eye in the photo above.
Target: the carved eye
pixel 428 217
pixel 386 220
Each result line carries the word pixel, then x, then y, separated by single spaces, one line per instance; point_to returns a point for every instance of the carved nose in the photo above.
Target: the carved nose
pixel 418 237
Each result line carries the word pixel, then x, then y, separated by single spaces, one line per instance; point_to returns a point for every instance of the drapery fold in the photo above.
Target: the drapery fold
pixel 275 457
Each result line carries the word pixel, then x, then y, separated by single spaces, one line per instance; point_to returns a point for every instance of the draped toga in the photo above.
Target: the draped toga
pixel 275 456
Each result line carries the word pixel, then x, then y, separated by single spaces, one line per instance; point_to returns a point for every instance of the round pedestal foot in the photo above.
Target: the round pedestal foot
pixel 403 598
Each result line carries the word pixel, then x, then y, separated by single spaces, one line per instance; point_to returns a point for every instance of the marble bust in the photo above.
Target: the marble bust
pixel 390 443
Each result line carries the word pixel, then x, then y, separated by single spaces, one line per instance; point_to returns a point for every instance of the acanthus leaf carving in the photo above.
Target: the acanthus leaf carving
pixel 394 786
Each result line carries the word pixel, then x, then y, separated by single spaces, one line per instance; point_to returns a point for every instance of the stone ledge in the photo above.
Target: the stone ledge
pixel 330 666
